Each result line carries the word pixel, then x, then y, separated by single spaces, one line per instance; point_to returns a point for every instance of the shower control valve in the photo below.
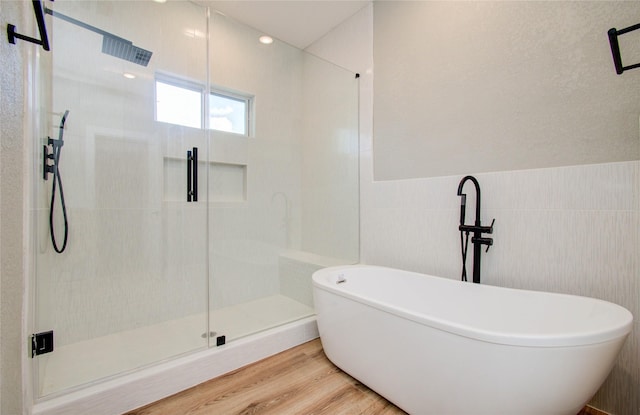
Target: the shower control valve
pixel 46 156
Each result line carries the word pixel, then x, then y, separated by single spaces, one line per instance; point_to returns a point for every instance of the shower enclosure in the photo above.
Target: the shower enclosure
pixel 168 252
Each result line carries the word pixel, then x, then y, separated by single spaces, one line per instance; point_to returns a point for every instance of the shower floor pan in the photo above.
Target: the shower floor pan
pixel 80 363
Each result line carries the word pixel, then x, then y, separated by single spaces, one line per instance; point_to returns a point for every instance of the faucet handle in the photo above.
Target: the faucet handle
pixel 485 229
pixel 489 244
pixel 483 241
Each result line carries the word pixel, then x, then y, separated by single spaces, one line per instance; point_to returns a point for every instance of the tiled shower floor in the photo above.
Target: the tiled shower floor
pixel 79 363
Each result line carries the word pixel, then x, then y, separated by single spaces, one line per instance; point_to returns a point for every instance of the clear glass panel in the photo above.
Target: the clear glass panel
pixel 291 206
pixel 130 288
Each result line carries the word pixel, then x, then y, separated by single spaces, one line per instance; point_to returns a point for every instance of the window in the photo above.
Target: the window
pixel 228 113
pixel 178 104
pixel 181 103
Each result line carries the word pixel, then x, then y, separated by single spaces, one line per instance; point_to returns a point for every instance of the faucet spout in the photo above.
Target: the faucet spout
pixel 464 198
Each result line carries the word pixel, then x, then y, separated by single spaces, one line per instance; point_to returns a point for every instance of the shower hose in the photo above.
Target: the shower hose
pixel 57 181
pixel 464 244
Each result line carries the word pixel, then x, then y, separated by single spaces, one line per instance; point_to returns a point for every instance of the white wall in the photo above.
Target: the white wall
pixel 495 86
pixel 572 229
pixel 12 218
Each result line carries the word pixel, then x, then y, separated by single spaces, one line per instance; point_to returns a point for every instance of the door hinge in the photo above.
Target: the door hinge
pixel 41 343
pixel 221 340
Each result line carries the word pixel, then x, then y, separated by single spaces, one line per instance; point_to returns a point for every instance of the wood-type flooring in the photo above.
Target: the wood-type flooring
pixel 298 381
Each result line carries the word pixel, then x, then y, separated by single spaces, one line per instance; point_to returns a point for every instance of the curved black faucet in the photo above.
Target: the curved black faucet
pixel 476 228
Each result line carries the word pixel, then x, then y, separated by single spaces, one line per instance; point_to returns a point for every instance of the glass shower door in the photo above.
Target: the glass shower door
pixel 130 287
pixel 284 199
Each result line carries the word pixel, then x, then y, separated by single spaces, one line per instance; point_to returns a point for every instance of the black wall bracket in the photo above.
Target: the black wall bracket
pixel 615 47
pixel 12 35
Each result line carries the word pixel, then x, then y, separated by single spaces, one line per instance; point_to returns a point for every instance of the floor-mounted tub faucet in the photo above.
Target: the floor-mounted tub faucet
pixel 477 240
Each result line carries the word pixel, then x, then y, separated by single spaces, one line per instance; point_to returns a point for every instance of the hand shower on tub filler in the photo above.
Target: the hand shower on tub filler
pixel 477 240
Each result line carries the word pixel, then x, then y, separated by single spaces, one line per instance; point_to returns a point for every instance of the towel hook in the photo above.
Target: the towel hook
pixel 615 47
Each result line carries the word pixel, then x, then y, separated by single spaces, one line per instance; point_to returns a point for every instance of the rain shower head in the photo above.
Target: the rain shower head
pixel 125 49
pixel 111 44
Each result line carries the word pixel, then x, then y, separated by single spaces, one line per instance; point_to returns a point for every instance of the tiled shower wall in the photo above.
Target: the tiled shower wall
pixel 571 229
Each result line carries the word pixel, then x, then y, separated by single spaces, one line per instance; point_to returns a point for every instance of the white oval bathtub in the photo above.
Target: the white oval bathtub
pixel 438 346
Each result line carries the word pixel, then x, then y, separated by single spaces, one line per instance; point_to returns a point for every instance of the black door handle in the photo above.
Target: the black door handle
pixel 195 174
pixel 192 175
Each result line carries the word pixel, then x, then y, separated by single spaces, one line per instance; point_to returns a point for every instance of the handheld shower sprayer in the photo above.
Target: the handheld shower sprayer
pixel 62 121
pixel 54 156
pixel 463 205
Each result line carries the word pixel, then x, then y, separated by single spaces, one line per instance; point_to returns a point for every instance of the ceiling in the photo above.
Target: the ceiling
pixel 299 23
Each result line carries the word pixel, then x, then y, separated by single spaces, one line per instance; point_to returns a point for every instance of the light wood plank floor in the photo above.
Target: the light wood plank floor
pixel 297 381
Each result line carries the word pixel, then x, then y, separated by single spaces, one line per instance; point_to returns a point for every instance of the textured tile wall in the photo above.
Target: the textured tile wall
pixel 15 59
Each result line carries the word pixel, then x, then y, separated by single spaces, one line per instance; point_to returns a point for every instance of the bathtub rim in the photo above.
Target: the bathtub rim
pixel 617 332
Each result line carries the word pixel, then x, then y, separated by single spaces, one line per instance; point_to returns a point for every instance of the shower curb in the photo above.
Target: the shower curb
pixel 132 391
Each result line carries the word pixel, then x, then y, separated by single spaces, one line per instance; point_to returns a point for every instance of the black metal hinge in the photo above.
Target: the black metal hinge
pixel 221 340
pixel 41 343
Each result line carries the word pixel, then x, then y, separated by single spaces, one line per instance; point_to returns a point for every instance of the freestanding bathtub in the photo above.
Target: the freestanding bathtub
pixel 438 346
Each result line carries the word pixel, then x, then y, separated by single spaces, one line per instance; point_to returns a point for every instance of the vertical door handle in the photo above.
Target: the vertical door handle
pixel 192 175
pixel 195 174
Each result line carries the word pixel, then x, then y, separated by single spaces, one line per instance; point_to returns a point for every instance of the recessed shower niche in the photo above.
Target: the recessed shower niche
pixel 227 182
pixel 146 272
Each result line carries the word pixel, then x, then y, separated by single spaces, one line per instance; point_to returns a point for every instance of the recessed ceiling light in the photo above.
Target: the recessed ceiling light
pixel 128 75
pixel 267 40
pixel 160 1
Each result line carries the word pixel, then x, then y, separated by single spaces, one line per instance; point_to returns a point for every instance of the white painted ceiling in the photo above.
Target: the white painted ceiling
pixel 299 23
